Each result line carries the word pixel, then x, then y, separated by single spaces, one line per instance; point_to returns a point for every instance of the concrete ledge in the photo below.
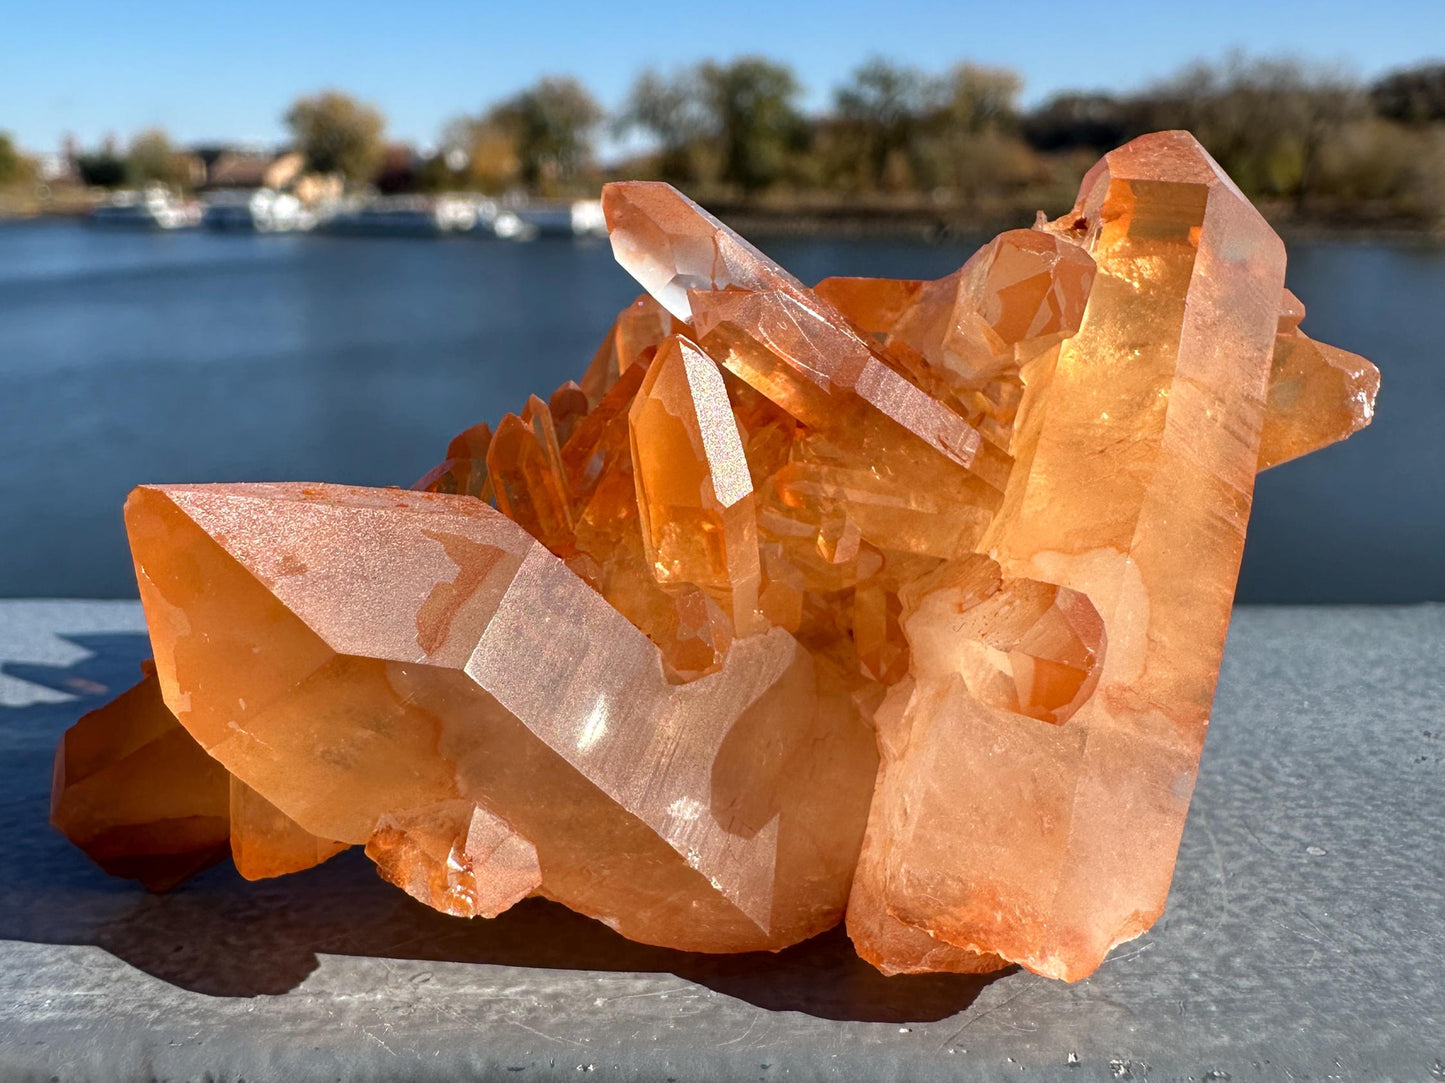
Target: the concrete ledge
pixel 1305 936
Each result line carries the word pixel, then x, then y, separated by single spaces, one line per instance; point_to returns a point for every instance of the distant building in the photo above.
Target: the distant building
pixel 230 168
pixel 317 189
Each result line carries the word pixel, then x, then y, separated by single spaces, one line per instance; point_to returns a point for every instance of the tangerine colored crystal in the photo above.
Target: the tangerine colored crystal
pixel 137 794
pixel 407 650
pixel 265 842
pixel 694 492
pixel 891 601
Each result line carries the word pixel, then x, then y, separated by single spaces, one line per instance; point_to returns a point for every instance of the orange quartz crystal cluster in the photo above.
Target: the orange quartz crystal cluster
pixel 897 602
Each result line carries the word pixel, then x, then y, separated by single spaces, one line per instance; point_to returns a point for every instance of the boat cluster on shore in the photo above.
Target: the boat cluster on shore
pixel 266 210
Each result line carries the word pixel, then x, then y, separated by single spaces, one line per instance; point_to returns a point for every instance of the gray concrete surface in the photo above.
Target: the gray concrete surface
pixel 1305 936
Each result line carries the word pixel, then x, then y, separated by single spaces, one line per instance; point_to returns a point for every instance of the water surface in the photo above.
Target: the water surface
pixel 137 357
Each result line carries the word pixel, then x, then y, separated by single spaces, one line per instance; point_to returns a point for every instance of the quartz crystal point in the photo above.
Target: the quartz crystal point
pixel 135 791
pixel 266 842
pixel 636 333
pixel 464 470
pixel 1050 843
pixel 784 340
pixel 1318 394
pixel 524 465
pixel 672 247
pixel 1024 284
pixel 699 525
pixel 367 655
pixel 888 599
pixel 457 858
pixel 568 406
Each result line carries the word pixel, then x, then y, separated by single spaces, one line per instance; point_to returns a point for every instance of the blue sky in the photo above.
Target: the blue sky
pixel 208 71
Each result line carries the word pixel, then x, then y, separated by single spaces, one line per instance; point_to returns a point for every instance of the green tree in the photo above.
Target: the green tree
pixel 338 134
pixel 487 153
pixel 751 106
pixel 552 126
pixel 879 113
pixel 972 146
pixel 101 169
pixel 14 167
pixel 152 159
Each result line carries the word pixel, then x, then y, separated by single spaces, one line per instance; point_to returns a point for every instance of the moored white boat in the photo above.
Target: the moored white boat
pixel 152 208
pixel 263 210
pixel 404 216
pixel 564 218
pixel 493 220
pixel 506 226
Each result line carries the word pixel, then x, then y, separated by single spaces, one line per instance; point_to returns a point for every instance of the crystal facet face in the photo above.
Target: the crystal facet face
pixel 891 602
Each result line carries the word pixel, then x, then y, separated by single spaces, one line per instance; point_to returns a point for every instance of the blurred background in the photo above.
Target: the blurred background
pixel 312 244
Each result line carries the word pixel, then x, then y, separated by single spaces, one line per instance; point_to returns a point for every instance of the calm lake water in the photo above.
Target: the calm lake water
pixel 135 357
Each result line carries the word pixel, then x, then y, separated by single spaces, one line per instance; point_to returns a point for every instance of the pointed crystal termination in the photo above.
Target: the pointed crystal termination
pixel 465 477
pixel 633 337
pixel 405 649
pixel 464 470
pixel 137 793
pixel 265 842
pixel 1135 469
pixel 689 628
pixel 699 524
pixel 1318 394
pixel 671 246
pixel 777 335
pixel 1023 285
pixel 471 443
pixel 1024 646
pixel 457 858
pixel 568 406
pixel 525 466
pixel 600 438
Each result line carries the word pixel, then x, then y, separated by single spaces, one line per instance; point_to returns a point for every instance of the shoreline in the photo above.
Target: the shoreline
pixel 940 225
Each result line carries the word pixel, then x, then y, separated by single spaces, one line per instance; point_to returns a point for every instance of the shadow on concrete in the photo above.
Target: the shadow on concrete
pixel 222 936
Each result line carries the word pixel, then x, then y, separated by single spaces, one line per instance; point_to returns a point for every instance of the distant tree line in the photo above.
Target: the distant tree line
pixel 15 168
pixel 150 158
pixel 1294 135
